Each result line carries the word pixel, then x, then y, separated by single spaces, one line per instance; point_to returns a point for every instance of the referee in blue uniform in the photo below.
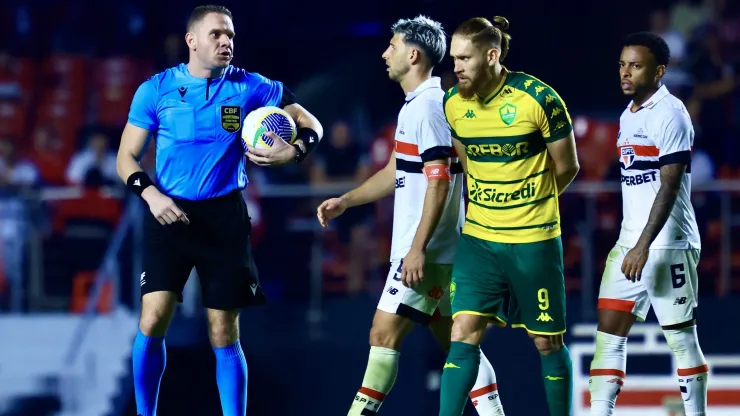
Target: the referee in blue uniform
pixel 199 218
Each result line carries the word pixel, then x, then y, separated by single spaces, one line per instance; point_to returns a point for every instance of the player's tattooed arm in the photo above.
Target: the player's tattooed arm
pixel 636 258
pixel 670 183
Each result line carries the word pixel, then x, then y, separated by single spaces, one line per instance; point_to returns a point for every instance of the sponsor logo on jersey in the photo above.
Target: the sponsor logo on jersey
pixel 508 149
pixel 640 179
pixel 479 193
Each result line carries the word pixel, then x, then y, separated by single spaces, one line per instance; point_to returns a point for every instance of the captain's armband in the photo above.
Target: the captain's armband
pixel 438 172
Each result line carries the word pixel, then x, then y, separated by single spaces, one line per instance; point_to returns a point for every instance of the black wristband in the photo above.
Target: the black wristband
pixel 309 137
pixel 138 181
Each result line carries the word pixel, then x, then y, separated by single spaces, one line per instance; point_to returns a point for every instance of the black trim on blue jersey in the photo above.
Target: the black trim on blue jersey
pixel 288 97
pixel 683 156
pixel 418 167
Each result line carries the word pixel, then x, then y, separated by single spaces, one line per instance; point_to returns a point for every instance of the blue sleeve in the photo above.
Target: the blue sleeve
pixel 266 92
pixel 143 112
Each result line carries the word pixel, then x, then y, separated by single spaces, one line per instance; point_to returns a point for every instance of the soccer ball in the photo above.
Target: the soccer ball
pixel 266 119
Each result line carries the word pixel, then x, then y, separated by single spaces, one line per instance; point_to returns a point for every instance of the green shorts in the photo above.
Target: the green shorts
pixel 519 284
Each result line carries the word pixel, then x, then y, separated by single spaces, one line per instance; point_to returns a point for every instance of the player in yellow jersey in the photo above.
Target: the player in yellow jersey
pixel 508 268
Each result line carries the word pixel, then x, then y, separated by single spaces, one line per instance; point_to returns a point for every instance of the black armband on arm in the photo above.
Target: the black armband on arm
pixel 310 140
pixel 138 181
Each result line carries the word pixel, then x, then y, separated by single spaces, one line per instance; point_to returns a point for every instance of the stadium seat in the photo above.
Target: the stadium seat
pixel 13 120
pixel 82 286
pixel 27 76
pixel 63 96
pixel 115 83
pixel 65 71
pixel 93 205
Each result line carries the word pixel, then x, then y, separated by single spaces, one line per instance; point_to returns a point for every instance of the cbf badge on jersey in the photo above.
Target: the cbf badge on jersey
pixel 231 118
pixel 628 156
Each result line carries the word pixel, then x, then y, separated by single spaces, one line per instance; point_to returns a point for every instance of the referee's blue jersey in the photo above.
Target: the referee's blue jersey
pixel 198 124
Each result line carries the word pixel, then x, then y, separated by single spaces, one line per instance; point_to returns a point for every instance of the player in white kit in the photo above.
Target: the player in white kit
pixel 426 177
pixel 654 261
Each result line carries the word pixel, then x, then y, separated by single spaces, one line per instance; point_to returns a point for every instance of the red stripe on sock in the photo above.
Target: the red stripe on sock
pixel 683 372
pixel 372 393
pixel 607 372
pixel 655 398
pixel 483 390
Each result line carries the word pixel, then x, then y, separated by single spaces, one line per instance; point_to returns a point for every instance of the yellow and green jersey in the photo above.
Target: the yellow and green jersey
pixel 513 196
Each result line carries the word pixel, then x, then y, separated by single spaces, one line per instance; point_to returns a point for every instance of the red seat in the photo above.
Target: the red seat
pixel 115 82
pixel 65 71
pixel 93 205
pixel 13 120
pixel 82 286
pixel 27 76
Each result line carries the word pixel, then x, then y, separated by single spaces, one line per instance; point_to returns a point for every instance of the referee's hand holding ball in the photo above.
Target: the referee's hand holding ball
pixel 163 207
pixel 279 154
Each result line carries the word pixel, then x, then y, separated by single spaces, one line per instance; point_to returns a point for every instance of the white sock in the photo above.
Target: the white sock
pixel 607 372
pixel 382 368
pixel 485 395
pixel 693 371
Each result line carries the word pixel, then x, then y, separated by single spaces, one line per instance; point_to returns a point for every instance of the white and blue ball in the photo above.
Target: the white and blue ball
pixel 265 119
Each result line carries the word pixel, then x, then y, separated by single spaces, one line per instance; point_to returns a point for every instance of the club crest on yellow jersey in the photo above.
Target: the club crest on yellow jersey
pixel 507 113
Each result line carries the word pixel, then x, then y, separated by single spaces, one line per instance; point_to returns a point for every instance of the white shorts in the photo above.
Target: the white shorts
pixel 418 304
pixel 668 282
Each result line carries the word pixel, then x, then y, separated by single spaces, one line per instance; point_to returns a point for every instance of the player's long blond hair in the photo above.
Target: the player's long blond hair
pixel 483 33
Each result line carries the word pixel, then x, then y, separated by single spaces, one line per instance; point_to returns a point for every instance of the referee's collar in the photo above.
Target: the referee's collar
pixel 433 82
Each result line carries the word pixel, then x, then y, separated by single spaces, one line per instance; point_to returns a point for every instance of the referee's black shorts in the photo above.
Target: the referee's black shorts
pixel 216 243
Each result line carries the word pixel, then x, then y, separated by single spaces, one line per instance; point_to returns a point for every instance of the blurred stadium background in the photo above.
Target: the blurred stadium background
pixel 70 234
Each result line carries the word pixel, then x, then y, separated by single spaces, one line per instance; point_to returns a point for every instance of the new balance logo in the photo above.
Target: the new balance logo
pixel 450 365
pixel 544 317
pixel 679 301
pixel 469 114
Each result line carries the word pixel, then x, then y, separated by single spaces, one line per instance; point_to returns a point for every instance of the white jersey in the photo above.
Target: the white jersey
pixel 422 134
pixel 659 133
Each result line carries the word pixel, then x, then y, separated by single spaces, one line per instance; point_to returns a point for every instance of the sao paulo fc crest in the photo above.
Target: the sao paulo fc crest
pixel 628 156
